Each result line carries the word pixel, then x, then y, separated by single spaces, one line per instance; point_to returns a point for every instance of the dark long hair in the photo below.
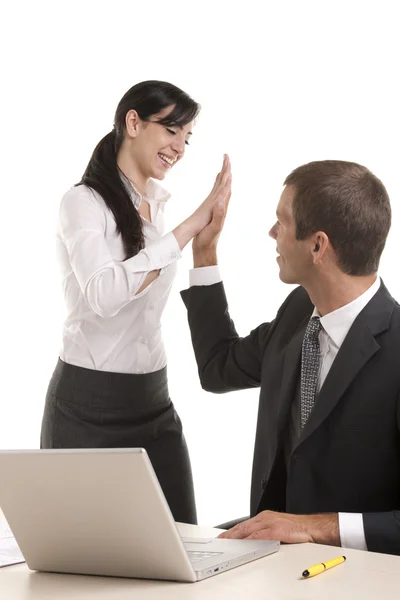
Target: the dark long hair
pixel 102 173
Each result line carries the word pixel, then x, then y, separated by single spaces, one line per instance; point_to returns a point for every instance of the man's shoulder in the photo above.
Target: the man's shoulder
pixel 384 303
pixel 295 310
pixel 384 294
pixel 389 306
pixel 297 303
pixel 381 316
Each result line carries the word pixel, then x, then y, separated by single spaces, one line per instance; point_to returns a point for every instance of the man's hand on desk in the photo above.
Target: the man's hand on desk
pixel 290 529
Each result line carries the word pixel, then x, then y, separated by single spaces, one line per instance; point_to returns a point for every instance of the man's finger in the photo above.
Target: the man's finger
pixel 228 190
pixel 261 534
pixel 219 209
pixel 243 530
pixel 218 217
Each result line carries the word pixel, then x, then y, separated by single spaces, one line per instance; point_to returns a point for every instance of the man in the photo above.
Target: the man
pixel 327 453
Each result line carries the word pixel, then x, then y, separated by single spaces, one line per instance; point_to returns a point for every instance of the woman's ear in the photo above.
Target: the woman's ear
pixel 132 123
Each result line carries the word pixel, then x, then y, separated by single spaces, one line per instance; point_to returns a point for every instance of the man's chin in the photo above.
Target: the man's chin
pixel 282 278
pixel 285 278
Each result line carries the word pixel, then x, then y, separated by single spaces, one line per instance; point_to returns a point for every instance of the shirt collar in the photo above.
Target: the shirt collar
pixel 338 322
pixel 154 192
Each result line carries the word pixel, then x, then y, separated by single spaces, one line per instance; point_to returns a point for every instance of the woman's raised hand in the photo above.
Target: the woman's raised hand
pixel 217 200
pixel 219 194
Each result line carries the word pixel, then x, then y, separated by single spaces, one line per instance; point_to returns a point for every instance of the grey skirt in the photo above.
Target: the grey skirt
pixel 96 409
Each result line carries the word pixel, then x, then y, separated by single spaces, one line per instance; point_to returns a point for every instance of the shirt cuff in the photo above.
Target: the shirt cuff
pixel 204 276
pixel 351 529
pixel 165 251
pixel 155 255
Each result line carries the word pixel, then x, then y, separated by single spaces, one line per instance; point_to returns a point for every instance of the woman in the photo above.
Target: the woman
pixel 109 388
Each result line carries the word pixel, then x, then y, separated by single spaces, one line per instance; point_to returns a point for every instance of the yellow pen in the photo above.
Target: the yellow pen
pixel 321 567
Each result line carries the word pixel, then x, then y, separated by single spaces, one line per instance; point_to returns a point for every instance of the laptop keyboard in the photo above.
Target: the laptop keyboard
pixel 197 555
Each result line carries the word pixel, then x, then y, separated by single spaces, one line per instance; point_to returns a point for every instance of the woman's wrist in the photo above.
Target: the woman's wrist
pixel 186 231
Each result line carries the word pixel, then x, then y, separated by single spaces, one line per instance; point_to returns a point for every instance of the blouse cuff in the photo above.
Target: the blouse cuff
pixel 156 255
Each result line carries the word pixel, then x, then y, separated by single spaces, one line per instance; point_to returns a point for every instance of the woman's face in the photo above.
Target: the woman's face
pixel 156 148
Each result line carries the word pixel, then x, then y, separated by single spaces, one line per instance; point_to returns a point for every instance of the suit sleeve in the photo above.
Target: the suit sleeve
pixel 226 362
pixel 382 531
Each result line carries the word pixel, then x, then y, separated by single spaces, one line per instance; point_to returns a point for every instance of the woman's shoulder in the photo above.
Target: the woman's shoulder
pixel 82 202
pixel 81 195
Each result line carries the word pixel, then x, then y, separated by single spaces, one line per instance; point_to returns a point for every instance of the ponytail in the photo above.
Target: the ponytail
pixel 103 176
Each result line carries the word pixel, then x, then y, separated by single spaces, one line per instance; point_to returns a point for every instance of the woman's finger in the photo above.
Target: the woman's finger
pixel 220 179
pixel 220 174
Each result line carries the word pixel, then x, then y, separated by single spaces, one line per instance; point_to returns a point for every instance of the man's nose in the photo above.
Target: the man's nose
pixel 272 232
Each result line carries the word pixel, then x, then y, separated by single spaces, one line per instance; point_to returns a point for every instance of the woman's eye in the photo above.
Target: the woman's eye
pixel 172 132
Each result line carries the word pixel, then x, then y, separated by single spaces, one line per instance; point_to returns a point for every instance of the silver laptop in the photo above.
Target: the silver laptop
pixel 102 512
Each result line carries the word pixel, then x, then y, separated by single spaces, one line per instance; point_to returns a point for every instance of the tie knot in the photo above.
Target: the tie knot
pixel 313 328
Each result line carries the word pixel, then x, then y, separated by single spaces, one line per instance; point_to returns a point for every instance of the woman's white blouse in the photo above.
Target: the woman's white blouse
pixel 109 326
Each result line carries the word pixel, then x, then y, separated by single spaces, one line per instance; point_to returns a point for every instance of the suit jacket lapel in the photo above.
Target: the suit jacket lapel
pixel 357 349
pixel 291 374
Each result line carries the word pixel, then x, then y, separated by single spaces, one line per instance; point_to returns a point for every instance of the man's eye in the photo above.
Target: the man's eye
pixel 187 143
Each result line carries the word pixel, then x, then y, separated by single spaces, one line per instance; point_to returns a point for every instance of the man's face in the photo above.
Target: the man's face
pixel 294 256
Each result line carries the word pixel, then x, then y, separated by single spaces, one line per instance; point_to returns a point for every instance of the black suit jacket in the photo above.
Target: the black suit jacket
pixel 348 456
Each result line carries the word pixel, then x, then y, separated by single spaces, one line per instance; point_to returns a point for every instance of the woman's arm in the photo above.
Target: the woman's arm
pixel 108 285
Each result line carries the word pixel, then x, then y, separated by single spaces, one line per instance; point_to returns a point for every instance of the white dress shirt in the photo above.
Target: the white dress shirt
pixel 335 327
pixel 109 326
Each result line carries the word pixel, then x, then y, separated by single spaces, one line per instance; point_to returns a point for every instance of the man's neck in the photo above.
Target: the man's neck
pixel 332 292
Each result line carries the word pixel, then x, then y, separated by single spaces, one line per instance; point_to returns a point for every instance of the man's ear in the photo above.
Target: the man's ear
pixel 321 243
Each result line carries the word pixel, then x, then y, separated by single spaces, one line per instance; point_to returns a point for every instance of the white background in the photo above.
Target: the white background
pixel 280 83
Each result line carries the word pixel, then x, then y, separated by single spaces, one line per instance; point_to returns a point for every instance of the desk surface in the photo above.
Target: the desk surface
pixel 365 575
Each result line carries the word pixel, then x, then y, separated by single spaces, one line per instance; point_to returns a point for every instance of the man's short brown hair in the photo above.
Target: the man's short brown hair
pixel 348 203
